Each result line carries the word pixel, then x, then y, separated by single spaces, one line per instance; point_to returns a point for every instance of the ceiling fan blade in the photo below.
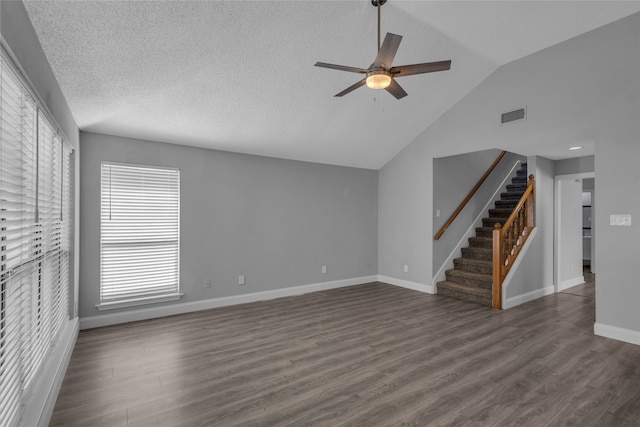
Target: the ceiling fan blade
pixel 341 67
pixel 396 90
pixel 428 67
pixel 387 51
pixel 352 88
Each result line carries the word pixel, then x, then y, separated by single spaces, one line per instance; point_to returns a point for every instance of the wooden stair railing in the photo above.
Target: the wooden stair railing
pixel 469 196
pixel 509 239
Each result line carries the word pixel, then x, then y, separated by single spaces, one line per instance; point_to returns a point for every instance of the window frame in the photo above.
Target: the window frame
pixel 142 299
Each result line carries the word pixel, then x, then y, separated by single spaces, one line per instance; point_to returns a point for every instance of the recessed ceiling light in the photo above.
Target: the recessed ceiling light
pixel 577 147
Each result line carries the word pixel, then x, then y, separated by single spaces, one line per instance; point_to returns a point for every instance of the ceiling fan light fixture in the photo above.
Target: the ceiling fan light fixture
pixel 378 79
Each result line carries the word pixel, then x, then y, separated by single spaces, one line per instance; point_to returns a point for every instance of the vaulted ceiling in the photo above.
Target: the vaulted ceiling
pixel 239 75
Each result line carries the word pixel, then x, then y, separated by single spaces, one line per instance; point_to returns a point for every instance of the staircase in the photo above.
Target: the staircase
pixel 471 278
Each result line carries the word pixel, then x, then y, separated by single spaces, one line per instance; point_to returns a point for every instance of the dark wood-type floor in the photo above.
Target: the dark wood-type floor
pixel 365 355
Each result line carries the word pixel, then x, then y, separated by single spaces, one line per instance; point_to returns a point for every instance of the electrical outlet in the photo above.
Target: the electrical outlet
pixel 406 268
pixel 207 283
pixel 241 280
pixel 324 269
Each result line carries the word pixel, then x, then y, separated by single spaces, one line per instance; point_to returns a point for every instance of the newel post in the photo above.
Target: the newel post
pixel 496 288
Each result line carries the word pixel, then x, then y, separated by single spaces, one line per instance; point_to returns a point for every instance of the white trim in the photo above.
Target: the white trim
pixel 187 307
pixel 420 287
pixel 529 296
pixel 138 302
pixel 570 283
pixel 448 263
pixel 617 333
pixel 40 404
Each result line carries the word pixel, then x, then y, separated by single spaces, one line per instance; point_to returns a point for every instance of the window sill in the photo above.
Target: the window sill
pixel 138 301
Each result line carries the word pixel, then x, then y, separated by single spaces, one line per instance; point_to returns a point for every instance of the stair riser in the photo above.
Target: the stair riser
pixel 472 267
pixel 456 276
pixel 465 297
pixel 480 242
pixel 500 213
pixel 486 232
pixel 510 196
pixel 519 179
pixel 506 204
pixel 491 222
pixel 473 253
pixel 517 187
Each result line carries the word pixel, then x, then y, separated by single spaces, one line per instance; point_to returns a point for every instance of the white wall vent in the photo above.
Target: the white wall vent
pixel 515 115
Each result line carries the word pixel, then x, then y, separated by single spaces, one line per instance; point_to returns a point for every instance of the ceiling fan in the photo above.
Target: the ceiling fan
pixel 380 74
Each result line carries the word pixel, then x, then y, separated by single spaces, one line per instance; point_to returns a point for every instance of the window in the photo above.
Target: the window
pixel 139 235
pixel 36 219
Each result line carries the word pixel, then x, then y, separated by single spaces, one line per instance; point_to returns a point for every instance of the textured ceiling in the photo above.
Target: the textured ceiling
pixel 239 75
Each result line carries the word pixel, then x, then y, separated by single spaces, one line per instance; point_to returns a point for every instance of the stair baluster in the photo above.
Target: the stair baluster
pixel 508 240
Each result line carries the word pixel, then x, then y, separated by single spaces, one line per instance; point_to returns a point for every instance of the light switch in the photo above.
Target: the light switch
pixel 620 220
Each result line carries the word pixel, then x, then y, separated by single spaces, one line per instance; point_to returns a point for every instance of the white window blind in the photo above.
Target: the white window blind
pixel 140 234
pixel 34 241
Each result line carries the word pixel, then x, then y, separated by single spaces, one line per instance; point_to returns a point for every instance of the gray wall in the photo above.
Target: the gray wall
pixel 275 221
pixel 575 165
pixel 618 192
pixel 453 178
pixel 587 85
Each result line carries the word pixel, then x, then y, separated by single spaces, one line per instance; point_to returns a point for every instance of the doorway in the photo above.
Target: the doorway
pixel 570 233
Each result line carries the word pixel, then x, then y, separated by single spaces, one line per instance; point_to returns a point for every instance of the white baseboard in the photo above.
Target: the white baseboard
pixel 529 296
pixel 44 392
pixel 420 287
pixel 187 307
pixel 566 284
pixel 616 333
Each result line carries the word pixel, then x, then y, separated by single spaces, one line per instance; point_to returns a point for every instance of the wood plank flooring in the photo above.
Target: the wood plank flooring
pixel 364 355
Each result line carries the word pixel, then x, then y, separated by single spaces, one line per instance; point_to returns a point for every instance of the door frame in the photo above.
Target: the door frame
pixel 557 258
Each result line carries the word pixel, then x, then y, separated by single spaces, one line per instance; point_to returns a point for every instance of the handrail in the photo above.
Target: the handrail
pixel 469 196
pixel 508 239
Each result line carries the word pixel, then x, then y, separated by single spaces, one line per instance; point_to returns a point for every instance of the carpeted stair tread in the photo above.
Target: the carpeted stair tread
pixel 465 293
pixel 500 213
pixel 517 187
pixel 473 265
pixel 506 204
pixel 469 278
pixel 481 242
pixel 511 196
pixel 491 222
pixel 484 254
pixel 486 232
